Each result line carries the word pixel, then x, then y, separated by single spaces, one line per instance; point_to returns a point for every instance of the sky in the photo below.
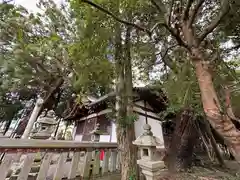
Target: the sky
pixel 31 4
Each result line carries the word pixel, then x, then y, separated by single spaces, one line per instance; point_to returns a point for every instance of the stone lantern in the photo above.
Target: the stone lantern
pixel 2 125
pixel 150 158
pixel 95 134
pixel 45 126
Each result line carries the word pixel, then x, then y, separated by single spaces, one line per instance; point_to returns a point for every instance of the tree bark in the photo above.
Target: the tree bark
pixel 49 98
pixel 171 154
pixel 211 105
pixel 229 109
pixel 206 133
pixel 125 131
pixel 185 136
pixel 214 144
pixel 130 132
pixel 219 120
pixel 188 141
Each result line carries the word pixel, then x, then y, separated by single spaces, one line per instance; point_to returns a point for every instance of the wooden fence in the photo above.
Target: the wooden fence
pixel 51 159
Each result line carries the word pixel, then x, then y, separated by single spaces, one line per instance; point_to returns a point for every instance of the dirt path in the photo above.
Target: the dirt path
pixel 209 172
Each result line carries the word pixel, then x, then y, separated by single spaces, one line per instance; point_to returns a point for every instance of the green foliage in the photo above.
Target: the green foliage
pixel 10 105
pixel 31 53
pixel 128 120
pixel 37 49
pixel 122 121
pixel 182 90
pixel 133 175
pixel 76 42
pixel 52 44
pixel 231 24
pixel 227 75
pixel 91 50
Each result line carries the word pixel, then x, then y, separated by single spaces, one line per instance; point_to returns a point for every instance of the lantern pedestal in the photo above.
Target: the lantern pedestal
pixel 151 169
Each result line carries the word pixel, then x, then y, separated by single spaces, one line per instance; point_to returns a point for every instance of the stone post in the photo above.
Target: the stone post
pixel 2 126
pixel 95 137
pixel 32 118
pixel 150 158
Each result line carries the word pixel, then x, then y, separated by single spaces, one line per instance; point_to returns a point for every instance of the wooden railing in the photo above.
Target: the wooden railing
pixel 51 159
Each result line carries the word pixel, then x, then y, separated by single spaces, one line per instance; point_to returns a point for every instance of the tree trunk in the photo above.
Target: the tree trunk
pixel 214 144
pixel 50 101
pixel 171 154
pixel 188 141
pixel 180 153
pixel 130 132
pixel 207 134
pixel 228 105
pixel 125 131
pixel 128 153
pixel 219 121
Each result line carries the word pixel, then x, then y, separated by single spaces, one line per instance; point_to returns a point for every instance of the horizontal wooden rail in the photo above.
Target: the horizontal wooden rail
pixel 58 159
pixel 7 144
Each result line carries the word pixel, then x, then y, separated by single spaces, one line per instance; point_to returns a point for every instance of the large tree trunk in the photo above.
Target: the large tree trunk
pixel 228 105
pixel 206 133
pixel 130 132
pixel 49 103
pixel 219 121
pixel 185 136
pixel 128 153
pixel 125 130
pixel 188 142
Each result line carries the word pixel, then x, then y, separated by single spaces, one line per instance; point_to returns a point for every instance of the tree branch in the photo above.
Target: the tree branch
pixel 161 8
pixel 187 9
pixel 165 53
pixel 176 36
pixel 115 17
pixel 170 13
pixel 58 83
pixel 195 11
pixel 35 64
pixel 172 32
pixel 6 1
pixel 215 22
pixel 163 58
pixel 156 25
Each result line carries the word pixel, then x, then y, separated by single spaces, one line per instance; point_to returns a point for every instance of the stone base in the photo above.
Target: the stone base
pixel 151 169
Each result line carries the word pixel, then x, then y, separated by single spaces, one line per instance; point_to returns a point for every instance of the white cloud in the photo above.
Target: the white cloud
pixel 31 4
pixel 28 4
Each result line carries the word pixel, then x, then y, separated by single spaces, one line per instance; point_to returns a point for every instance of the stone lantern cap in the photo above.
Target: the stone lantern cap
pixel 96 130
pixel 147 138
pixel 48 119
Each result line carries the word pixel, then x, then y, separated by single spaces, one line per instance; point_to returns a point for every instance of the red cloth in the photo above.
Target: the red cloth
pixel 101 155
